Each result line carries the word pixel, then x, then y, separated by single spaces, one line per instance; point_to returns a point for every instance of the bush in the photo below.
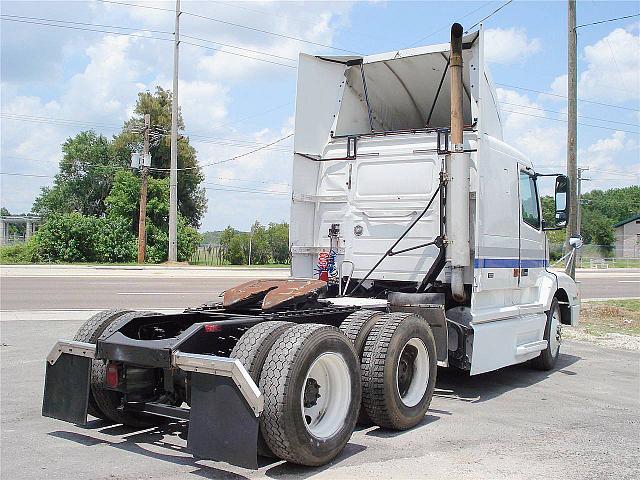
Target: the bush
pixel 18 253
pixel 77 238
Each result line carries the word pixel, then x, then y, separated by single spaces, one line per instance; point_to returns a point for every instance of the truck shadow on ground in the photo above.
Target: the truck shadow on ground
pixel 152 443
pixel 167 442
pixel 459 385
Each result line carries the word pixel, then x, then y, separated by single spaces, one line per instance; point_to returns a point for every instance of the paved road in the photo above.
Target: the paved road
pixel 579 421
pixel 135 290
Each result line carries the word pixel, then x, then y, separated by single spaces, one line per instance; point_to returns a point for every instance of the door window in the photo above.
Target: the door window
pixel 529 200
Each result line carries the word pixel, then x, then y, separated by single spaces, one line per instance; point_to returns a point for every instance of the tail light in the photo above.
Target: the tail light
pixel 113 375
pixel 210 328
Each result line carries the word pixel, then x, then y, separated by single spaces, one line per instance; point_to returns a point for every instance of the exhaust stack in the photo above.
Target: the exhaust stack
pixel 458 186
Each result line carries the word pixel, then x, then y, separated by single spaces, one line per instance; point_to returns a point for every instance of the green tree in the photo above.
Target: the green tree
pixel 238 252
pixel 260 248
pixel 84 178
pixel 278 234
pixel 124 204
pixel 192 203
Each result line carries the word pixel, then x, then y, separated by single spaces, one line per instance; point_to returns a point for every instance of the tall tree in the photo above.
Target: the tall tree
pixel 192 203
pixel 85 177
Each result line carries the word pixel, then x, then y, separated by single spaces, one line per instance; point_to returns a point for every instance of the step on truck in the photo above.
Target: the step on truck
pixel 417 241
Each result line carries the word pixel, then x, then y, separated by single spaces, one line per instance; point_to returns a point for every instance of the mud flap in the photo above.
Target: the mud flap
pixel 66 389
pixel 222 426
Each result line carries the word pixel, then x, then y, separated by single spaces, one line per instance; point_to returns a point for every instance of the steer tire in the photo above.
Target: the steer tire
pixel 549 356
pixel 89 332
pixel 107 400
pixel 285 382
pixel 382 362
pixel 252 350
pixel 357 327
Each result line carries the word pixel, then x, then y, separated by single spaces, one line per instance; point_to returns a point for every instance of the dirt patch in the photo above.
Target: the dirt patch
pixel 614 324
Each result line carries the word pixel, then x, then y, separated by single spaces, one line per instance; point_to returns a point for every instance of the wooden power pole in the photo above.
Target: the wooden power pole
pixel 572 126
pixel 144 169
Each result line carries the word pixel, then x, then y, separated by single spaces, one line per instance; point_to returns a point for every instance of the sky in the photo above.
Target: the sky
pixel 58 81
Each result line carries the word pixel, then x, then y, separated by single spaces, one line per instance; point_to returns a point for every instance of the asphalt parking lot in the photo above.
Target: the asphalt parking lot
pixel 579 421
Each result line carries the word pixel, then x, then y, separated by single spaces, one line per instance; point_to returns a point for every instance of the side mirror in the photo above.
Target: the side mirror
pixel 576 242
pixel 562 200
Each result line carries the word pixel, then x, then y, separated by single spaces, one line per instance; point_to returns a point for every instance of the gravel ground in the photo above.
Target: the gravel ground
pixel 579 421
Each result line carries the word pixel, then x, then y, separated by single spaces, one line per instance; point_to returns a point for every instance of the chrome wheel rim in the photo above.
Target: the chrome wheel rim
pixel 412 372
pixel 326 395
pixel 555 333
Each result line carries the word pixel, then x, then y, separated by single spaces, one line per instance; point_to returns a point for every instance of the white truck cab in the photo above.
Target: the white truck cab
pixel 373 147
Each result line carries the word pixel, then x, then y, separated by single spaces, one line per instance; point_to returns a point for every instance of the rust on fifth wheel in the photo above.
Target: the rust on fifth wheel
pixel 272 293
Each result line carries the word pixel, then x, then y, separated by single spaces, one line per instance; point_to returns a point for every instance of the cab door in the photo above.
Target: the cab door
pixel 532 259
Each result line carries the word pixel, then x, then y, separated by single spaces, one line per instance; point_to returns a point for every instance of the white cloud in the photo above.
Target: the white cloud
pixel 611 69
pixel 94 80
pixel 510 45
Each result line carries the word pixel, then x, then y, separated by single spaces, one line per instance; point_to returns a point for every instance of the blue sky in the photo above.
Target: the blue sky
pixel 59 81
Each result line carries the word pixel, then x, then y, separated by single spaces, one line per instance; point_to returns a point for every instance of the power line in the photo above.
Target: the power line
pixel 239 48
pixel 447 26
pixel 565 121
pixel 608 20
pixel 490 15
pixel 232 158
pixel 238 25
pixel 86 24
pixel 564 96
pixel 234 53
pixel 77 123
pixel 85 29
pixel 37 21
pixel 564 113
pixel 14 174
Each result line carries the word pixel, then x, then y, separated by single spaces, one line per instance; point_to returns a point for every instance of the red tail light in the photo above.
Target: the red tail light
pixel 113 376
pixel 209 328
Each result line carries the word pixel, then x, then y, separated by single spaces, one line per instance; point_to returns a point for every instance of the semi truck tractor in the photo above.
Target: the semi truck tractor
pixel 417 242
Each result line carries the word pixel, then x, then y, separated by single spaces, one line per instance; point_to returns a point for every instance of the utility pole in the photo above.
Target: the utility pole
pixel 173 177
pixel 573 228
pixel 144 170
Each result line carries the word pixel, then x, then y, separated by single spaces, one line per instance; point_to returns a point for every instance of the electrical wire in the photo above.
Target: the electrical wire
pixel 86 29
pixel 490 15
pixel 564 96
pixel 111 32
pixel 77 123
pixel 564 113
pixel 608 20
pixel 447 26
pixel 228 159
pixel 565 121
pixel 238 25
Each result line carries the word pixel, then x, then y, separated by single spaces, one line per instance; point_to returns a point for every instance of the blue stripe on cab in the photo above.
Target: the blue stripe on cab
pixel 509 263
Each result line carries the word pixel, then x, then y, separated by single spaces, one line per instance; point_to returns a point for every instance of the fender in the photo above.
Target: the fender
pixel 560 285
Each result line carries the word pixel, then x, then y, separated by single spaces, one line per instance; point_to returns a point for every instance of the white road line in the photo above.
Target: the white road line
pixel 628 281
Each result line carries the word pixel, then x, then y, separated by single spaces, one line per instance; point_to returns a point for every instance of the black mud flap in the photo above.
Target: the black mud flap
pixel 66 389
pixel 222 427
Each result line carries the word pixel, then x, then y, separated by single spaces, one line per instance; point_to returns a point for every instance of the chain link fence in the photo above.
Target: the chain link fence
pixel 594 256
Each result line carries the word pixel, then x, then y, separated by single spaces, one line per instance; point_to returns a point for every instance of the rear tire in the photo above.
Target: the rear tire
pixel 107 400
pixel 252 350
pixel 357 327
pixel 312 391
pixel 89 332
pixel 553 335
pixel 399 367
